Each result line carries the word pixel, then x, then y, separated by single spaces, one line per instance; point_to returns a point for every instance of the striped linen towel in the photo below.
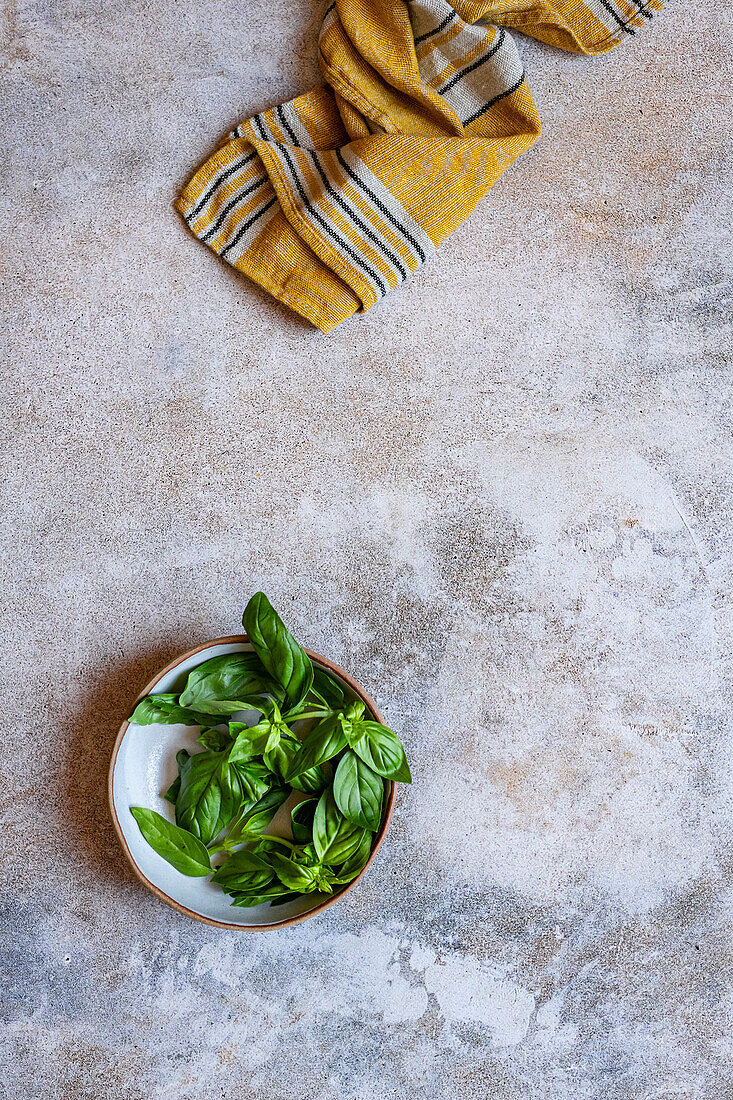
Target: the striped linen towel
pixel 333 199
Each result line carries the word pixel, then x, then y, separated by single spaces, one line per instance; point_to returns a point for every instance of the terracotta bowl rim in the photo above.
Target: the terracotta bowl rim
pixel 324 662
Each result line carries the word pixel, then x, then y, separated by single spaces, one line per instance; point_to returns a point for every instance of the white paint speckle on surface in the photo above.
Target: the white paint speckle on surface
pixel 470 991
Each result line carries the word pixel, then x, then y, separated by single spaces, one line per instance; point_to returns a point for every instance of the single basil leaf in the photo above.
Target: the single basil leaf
pixel 216 740
pixel 172 793
pixel 163 710
pixel 149 710
pixel 244 872
pixel 223 684
pixel 255 818
pixel 328 688
pixel 177 846
pixel 301 820
pixel 283 658
pixel 259 816
pixel 199 800
pixel 356 863
pixel 335 838
pixel 358 791
pixel 294 875
pixel 383 751
pixel 322 743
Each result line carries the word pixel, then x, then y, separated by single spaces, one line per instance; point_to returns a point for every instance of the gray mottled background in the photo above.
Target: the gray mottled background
pixel 502 499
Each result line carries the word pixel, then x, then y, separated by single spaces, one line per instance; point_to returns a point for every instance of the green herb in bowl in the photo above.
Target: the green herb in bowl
pixel 226 796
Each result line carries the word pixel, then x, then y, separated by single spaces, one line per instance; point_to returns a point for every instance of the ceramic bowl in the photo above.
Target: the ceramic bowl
pixel 144 765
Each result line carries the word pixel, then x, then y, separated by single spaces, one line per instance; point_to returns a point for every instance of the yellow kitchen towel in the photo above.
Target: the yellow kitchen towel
pixel 333 199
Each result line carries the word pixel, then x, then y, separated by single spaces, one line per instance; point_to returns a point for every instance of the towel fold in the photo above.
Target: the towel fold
pixel 333 199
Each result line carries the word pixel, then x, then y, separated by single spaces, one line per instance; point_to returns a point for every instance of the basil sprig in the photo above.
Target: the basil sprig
pixel 227 795
pixel 382 750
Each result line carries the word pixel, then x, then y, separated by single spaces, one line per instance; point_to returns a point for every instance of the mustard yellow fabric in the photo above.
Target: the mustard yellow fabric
pixel 333 199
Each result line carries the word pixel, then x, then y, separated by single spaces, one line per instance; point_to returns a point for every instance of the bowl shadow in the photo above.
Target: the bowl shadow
pixel 93 723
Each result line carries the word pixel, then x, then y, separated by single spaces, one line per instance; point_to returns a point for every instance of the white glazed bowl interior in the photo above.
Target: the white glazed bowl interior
pixel 145 767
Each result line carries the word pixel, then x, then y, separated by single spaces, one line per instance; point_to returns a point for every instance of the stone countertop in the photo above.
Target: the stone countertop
pixel 502 499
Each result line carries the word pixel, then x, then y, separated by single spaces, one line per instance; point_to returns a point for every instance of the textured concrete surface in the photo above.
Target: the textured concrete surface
pixel 502 499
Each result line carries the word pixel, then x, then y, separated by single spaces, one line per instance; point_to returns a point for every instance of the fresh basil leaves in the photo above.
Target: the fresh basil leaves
pixel 382 750
pixel 200 794
pixel 216 739
pixel 322 743
pixel 335 838
pixel 227 795
pixel 329 689
pixel 223 685
pixel 253 820
pixel 244 873
pixel 164 710
pixel 358 791
pixel 179 847
pixel 285 660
